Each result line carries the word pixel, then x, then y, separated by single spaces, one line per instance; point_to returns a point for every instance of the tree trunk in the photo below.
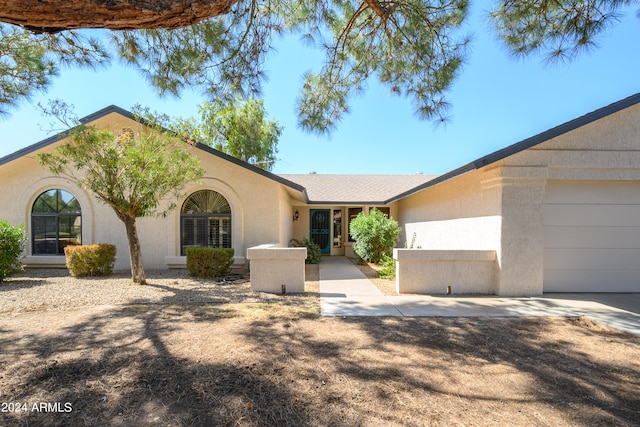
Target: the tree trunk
pixel 51 16
pixel 137 269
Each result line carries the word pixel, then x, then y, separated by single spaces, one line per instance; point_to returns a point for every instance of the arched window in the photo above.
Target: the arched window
pixel 205 220
pixel 55 222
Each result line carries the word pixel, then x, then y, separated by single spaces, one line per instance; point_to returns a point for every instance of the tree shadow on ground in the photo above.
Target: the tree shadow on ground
pixel 499 371
pixel 591 390
pixel 13 284
pixel 188 365
pixel 115 368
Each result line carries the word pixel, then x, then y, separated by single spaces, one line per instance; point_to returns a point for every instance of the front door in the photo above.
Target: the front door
pixel 320 229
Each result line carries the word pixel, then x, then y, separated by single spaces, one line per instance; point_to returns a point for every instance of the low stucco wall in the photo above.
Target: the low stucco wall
pixel 272 266
pixel 441 271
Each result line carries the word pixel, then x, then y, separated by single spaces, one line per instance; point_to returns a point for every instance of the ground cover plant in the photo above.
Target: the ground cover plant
pixel 90 260
pixel 207 262
pixel 185 351
pixel 12 240
pixel 314 254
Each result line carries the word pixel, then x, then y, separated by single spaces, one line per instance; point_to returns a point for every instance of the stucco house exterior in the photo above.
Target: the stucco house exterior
pixel 557 212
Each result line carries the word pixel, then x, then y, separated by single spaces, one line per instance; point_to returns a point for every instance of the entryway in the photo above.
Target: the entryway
pixel 320 229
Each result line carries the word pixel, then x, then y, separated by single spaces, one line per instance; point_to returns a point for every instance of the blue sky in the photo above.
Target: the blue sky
pixel 497 101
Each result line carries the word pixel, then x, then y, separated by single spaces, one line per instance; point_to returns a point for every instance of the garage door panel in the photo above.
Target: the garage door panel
pixel 592 237
pixel 592 215
pixel 591 281
pixel 592 259
pixel 592 193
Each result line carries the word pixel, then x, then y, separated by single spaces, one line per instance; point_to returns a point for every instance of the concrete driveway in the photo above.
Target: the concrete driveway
pixel 345 291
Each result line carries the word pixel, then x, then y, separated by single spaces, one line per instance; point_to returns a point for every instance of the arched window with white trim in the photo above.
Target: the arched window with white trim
pixel 56 222
pixel 205 220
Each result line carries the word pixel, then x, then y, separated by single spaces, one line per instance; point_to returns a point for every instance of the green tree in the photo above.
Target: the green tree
pixel 133 174
pixel 559 29
pixel 415 47
pixel 240 129
pixel 375 235
pixel 29 61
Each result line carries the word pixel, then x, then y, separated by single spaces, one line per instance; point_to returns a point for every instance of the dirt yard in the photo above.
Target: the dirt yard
pixel 184 352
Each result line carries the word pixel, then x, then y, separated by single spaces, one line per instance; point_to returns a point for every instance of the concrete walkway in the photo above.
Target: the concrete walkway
pixel 345 291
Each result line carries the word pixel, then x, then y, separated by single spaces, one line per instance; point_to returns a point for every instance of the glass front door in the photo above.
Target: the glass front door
pixel 320 228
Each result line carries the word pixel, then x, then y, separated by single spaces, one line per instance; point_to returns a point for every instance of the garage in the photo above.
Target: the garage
pixel 592 236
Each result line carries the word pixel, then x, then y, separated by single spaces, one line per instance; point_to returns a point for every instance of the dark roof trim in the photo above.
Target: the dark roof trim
pixel 350 203
pixel 525 144
pixel 108 110
pixel 115 109
pixel 55 138
pixel 253 168
pixel 24 151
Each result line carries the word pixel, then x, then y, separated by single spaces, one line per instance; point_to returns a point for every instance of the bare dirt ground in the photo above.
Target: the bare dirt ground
pixel 185 352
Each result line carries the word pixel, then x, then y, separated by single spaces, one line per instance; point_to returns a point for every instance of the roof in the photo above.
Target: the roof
pixel 526 144
pixel 115 109
pixel 352 189
pixel 367 189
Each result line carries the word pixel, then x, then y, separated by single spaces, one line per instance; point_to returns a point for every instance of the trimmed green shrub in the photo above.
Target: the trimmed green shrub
pixel 90 260
pixel 206 263
pixel 313 250
pixel 12 240
pixel 375 235
pixel 388 270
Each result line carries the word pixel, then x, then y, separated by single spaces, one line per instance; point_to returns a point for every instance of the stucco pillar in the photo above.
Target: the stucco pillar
pixel 520 254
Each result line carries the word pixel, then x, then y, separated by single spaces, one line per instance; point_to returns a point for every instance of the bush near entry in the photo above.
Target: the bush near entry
pixel 90 260
pixel 206 263
pixel 12 241
pixel 314 253
pixel 375 235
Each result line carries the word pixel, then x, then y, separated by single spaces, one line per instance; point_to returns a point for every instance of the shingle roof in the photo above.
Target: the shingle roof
pixel 344 188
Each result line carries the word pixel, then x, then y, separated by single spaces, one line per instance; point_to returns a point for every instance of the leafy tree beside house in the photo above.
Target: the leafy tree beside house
pixel 375 235
pixel 132 173
pixel 239 128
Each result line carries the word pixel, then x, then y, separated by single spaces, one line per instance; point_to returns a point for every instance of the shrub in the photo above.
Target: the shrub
pixel 90 260
pixel 313 250
pixel 12 240
pixel 388 270
pixel 375 235
pixel 205 262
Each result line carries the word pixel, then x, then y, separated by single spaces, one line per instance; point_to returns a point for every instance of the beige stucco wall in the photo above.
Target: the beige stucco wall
pixel 445 271
pixel 457 214
pixel 607 149
pixel 604 152
pixel 277 269
pixel 286 218
pixel 501 207
pixel 261 208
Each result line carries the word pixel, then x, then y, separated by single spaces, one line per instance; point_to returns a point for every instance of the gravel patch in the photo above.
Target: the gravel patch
pixel 50 289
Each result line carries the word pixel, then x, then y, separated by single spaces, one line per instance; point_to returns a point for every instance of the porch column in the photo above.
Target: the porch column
pixel 520 255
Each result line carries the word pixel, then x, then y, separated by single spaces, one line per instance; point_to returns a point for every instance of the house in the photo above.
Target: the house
pixel 559 211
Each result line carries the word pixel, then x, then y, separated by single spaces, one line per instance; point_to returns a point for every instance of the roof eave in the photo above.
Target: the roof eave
pixel 60 136
pixel 127 114
pixel 526 144
pixel 252 168
pixel 346 203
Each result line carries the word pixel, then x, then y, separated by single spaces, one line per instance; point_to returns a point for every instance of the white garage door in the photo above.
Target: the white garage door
pixel 592 237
